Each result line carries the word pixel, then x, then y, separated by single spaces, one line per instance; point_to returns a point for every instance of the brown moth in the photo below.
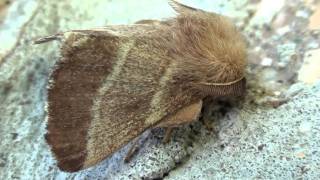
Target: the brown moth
pixel 113 83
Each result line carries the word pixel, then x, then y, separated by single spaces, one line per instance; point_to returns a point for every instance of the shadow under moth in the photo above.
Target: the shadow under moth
pixel 113 83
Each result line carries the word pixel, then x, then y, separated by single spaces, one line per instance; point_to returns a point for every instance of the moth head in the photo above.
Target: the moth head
pixel 210 46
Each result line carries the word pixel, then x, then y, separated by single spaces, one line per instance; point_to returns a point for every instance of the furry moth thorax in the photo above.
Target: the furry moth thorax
pixel 113 83
pixel 210 45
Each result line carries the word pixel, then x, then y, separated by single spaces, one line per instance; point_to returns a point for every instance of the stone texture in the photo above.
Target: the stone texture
pixel 250 140
pixel 261 143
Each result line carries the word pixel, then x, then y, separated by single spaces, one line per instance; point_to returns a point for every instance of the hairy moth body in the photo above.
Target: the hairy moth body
pixel 113 83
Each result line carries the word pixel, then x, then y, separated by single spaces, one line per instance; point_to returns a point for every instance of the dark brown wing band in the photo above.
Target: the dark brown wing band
pixel 75 81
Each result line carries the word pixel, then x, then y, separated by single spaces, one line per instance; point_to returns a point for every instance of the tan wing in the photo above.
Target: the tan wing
pixel 113 83
pixel 104 91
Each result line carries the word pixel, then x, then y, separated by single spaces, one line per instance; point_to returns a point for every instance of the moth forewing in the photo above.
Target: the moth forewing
pixel 113 83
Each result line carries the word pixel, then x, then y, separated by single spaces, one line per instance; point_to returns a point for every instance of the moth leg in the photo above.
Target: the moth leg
pixel 207 124
pixel 167 135
pixel 137 142
pixel 183 116
pixel 206 118
pixel 132 151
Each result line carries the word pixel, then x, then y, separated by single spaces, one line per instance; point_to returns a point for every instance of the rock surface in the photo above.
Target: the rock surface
pixel 260 143
pixel 250 140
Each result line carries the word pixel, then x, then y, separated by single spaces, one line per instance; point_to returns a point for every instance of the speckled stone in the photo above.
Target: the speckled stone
pixel 260 143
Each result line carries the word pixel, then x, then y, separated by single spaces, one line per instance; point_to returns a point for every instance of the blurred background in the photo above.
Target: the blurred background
pixel 261 140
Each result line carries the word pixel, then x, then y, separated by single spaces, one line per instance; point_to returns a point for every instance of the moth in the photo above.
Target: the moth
pixel 113 83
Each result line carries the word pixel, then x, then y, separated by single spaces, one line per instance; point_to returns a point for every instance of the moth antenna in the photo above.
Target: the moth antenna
pixel 181 8
pixel 224 84
pixel 233 88
pixel 48 38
